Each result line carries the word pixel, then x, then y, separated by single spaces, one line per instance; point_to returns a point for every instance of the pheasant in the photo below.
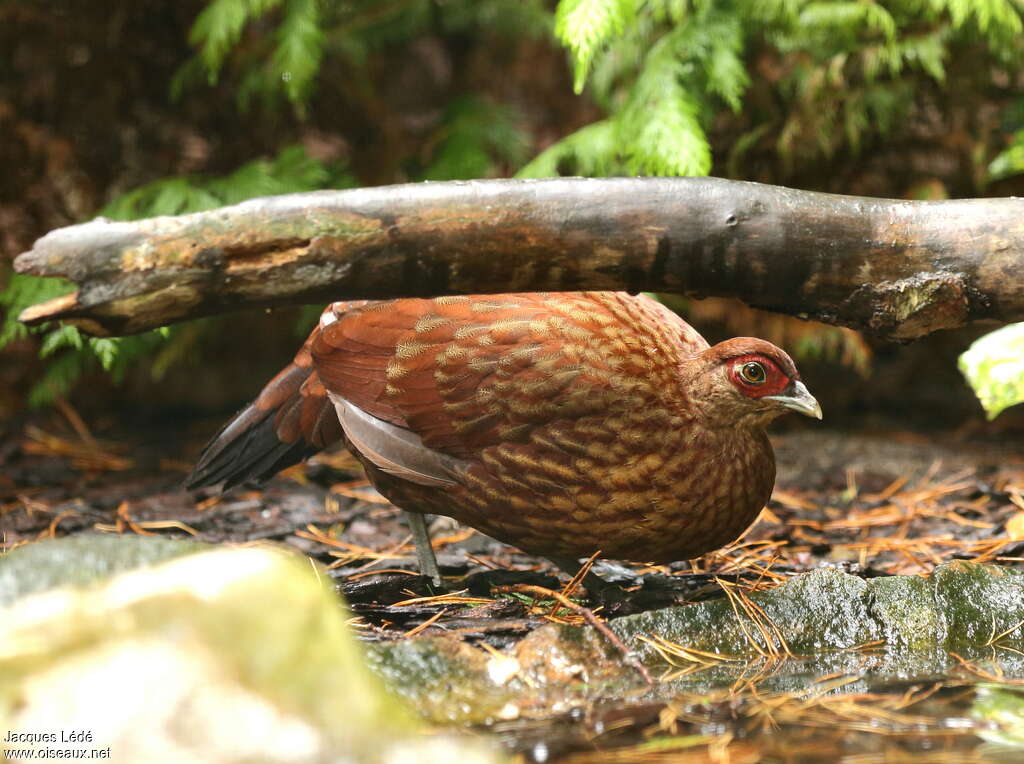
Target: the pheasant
pixel 561 423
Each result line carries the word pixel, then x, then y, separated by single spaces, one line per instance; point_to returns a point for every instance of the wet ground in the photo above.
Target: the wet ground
pixel 871 504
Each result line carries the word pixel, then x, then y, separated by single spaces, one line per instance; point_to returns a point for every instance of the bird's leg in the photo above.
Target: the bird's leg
pixel 424 552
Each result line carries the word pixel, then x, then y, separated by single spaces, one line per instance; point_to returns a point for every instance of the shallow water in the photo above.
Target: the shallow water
pixel 858 707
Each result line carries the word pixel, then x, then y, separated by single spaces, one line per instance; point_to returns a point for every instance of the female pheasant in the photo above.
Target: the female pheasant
pixel 562 423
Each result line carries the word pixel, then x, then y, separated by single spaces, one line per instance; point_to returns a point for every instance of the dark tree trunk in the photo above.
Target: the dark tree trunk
pixel 895 268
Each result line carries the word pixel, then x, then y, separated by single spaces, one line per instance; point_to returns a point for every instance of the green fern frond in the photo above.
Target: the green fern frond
pixel 1009 161
pixel 671 141
pixel 290 171
pixel 773 13
pixel 1001 15
pixel 660 127
pixel 106 351
pixel 585 26
pixel 300 42
pixel 60 338
pixel 724 68
pixel 219 26
pixel 668 11
pixel 21 292
pixel 169 196
pixel 846 19
pixel 997 21
pixel 621 62
pixel 70 353
pixel 925 52
pixel 476 137
pixel 591 150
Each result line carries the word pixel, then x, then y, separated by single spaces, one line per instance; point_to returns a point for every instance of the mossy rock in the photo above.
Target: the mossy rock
pixel 234 655
pixel 446 680
pixel 81 560
pixel 979 602
pixel 821 610
pixel 904 608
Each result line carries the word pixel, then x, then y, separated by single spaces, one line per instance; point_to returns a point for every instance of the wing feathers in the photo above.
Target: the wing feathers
pixel 420 384
pixel 467 373
pixel 395 450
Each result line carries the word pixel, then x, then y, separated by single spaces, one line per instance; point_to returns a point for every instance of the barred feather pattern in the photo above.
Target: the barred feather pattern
pixel 564 423
pixel 570 411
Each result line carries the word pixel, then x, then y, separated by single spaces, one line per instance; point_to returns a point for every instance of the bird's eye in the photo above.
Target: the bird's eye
pixel 753 373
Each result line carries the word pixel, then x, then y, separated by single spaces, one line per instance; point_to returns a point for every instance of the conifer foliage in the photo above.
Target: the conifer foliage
pixel 844 72
pixel 71 353
pixel 755 89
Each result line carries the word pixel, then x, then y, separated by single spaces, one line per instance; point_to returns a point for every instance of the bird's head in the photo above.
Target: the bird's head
pixel 747 381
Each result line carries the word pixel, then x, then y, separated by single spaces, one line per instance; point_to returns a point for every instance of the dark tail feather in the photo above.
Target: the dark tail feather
pixel 291 420
pixel 247 449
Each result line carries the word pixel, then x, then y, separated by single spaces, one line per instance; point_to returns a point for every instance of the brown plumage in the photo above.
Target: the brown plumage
pixel 560 423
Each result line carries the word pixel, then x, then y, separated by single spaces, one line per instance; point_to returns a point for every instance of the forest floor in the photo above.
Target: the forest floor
pixel 869 503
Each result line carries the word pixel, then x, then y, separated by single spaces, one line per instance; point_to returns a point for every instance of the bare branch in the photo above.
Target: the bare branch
pixel 895 268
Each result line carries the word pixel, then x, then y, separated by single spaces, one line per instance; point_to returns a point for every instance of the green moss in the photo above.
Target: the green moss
pixel 904 608
pixel 242 645
pixel 822 610
pixel 979 602
pixel 82 560
pixel 444 679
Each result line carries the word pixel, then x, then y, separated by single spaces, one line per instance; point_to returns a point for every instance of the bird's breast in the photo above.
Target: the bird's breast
pixel 652 493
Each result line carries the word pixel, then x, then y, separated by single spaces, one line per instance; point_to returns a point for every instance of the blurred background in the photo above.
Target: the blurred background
pixel 135 108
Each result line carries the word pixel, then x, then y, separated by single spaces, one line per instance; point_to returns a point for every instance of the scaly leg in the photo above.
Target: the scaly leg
pixel 424 552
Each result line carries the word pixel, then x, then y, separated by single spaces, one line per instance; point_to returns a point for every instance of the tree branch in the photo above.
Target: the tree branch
pixel 895 268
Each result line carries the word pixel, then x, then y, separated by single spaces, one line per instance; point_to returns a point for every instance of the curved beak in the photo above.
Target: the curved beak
pixel 797 398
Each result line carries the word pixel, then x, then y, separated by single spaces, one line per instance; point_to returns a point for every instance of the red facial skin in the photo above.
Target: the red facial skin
pixel 775 379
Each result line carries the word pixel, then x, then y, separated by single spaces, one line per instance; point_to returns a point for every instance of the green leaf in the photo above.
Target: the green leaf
pixel 847 18
pixel 106 350
pixel 1010 161
pixel 475 138
pixel 585 26
pixel 726 74
pixel 290 171
pixel 591 150
pixel 23 291
pixel 219 26
pixel 71 355
pixel 994 367
pixel 660 128
pixel 300 42
pixel 62 337
pixel 671 141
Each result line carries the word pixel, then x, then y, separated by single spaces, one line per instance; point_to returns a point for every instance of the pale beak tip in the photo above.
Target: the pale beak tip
pixel 800 401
